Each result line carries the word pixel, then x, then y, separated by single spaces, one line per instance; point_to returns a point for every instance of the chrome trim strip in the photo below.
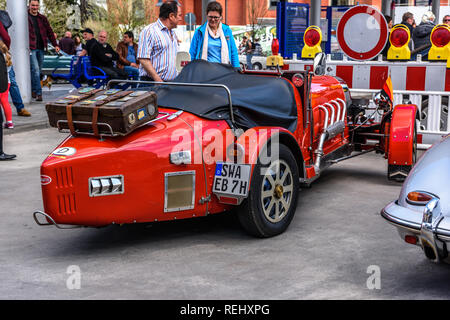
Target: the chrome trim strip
pixel 399 222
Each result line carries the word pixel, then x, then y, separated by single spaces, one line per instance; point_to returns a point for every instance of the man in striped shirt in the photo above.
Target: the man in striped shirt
pixel 158 45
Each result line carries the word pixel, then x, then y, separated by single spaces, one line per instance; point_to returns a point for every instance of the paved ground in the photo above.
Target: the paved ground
pixel 336 237
pixel 38 119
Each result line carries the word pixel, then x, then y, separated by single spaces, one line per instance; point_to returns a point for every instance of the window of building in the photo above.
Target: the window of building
pixel 342 3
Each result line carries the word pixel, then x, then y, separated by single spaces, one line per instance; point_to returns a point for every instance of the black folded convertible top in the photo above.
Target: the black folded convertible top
pixel 257 100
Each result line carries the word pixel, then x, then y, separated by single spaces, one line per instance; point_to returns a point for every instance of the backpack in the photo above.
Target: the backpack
pixel 5 19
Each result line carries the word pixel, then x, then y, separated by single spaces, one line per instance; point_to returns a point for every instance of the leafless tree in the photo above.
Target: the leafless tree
pixel 256 9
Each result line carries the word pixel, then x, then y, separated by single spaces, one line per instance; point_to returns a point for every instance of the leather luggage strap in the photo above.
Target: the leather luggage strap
pixel 70 119
pixel 95 120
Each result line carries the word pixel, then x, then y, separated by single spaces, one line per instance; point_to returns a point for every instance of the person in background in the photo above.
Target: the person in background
pixel 89 42
pixel 421 34
pixel 78 45
pixel 4 95
pixel 127 50
pixel 103 56
pixel 249 48
pixel 67 44
pixel 258 48
pixel 14 88
pixel 408 20
pixel 446 20
pixel 214 41
pixel 40 32
pixel 158 45
pixel 3 89
pixel 242 45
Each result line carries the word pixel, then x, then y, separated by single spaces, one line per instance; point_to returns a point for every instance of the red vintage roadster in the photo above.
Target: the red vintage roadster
pixel 223 138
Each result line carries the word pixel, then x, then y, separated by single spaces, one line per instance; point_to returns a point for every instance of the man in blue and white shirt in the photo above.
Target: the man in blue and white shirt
pixel 158 45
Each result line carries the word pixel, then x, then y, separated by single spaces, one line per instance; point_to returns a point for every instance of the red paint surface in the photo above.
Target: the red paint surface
pixel 346 73
pixel 415 78
pixel 378 76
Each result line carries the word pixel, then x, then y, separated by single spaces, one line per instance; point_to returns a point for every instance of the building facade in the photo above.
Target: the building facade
pixel 237 12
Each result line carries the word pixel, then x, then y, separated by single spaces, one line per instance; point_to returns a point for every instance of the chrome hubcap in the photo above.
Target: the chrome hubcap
pixel 277 188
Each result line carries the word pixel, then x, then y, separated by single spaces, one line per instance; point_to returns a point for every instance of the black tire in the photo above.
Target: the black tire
pixel 270 206
pixel 398 172
pixel 257 66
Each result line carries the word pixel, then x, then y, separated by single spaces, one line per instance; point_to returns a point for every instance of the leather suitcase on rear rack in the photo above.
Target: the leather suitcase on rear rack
pixel 103 112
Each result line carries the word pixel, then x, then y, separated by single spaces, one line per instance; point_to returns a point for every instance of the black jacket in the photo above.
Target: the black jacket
pixel 421 34
pixel 99 57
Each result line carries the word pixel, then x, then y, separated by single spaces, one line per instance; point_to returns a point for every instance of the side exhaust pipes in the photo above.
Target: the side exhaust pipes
pixel 336 126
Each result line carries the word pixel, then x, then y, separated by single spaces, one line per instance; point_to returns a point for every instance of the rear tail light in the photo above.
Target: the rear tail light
pixel 399 37
pixel 411 239
pixel 312 37
pixel 440 37
pixel 418 198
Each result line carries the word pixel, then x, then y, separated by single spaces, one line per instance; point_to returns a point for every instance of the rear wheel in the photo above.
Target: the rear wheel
pixel 272 199
pixel 400 172
pixel 257 66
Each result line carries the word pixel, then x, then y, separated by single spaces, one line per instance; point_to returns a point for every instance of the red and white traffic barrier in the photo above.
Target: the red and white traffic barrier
pixel 411 75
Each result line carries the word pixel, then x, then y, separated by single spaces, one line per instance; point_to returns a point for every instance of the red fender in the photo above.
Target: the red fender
pixel 254 140
pixel 401 135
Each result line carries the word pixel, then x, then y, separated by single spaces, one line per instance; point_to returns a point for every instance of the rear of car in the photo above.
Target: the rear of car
pixel 421 214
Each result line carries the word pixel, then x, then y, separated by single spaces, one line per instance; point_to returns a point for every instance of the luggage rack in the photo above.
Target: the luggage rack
pixel 110 132
pixel 181 84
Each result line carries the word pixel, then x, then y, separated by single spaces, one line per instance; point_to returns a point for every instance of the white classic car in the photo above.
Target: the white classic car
pixel 422 211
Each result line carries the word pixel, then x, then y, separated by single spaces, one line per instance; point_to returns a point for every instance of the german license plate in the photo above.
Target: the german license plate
pixel 232 179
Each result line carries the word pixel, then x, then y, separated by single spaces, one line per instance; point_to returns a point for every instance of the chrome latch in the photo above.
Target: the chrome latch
pixel 204 200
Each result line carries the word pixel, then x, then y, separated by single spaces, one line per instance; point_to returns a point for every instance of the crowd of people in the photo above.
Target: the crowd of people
pixel 153 58
pixel 420 34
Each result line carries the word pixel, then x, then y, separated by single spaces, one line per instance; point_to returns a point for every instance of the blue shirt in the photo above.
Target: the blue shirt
pixel 214 49
pixel 131 54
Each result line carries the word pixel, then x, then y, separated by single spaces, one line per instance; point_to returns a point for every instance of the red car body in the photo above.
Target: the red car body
pixel 142 160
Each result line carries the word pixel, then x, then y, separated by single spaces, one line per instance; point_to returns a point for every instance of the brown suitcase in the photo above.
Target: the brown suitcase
pixel 102 112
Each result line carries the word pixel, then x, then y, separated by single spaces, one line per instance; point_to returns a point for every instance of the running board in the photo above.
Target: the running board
pixel 350 156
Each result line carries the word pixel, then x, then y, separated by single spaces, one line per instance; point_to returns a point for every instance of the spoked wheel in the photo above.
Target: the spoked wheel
pixel 273 194
pixel 400 172
pixel 276 194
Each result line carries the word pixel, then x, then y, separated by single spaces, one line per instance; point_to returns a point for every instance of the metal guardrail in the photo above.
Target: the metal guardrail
pixel 432 105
